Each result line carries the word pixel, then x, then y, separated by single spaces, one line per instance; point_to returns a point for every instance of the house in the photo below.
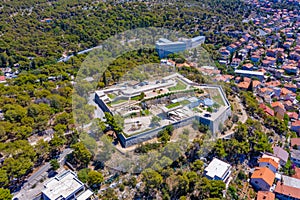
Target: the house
pixel 235 62
pixel 295 158
pixel 290 181
pixel 295 142
pixel 247 66
pixel 282 154
pixel 232 48
pixel 269 163
pixel 291 87
pixel 2 79
pixel 262 178
pixel 65 186
pixel 297 173
pixel 225 54
pixel 295 126
pixel 255 58
pixel 265 195
pixel 218 170
pixel 288 105
pixel 290 69
pixel 278 109
pixel 293 116
pixel 285 192
pixel 243 85
pixel 256 84
pixel 266 109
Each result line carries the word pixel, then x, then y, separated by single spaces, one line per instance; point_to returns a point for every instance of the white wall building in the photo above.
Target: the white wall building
pixel 218 170
pixel 65 186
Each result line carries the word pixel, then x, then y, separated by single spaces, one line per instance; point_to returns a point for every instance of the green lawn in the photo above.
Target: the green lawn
pixel 184 102
pixel 111 95
pixel 136 98
pixel 118 101
pixel 173 105
pixel 216 96
pixel 179 86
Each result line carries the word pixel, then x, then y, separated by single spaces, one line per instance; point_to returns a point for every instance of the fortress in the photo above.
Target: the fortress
pixel 149 106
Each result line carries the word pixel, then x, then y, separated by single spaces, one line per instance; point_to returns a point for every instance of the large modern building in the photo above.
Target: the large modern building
pixel 165 47
pixel 175 99
pixel 250 74
pixel 66 186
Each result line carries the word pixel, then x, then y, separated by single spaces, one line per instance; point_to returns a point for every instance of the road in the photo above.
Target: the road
pixel 27 191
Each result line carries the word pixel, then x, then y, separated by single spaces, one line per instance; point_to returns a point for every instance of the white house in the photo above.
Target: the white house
pixel 65 186
pixel 218 170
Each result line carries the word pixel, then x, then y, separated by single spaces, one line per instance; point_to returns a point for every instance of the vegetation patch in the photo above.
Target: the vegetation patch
pixel 173 105
pixel 179 86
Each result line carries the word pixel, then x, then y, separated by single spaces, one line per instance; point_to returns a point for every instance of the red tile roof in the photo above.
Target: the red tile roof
pixel 296 123
pixel 277 104
pixel 287 190
pixel 295 141
pixel 264 195
pixel 264 173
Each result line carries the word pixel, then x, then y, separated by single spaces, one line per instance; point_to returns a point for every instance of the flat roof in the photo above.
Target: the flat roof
pixel 86 194
pixel 217 168
pixel 62 185
pixel 290 181
pixel 249 72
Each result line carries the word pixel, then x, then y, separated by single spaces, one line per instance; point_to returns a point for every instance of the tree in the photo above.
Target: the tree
pixel 5 194
pixel 155 120
pixel 83 174
pixel 95 178
pixel 152 178
pixel 54 164
pixel 81 153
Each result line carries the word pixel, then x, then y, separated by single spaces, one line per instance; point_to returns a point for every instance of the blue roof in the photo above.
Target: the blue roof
pixel 208 102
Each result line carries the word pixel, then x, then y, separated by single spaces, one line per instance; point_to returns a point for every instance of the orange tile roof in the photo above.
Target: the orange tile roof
pixel 264 173
pixel 285 91
pixel 273 83
pixel 264 195
pixel 244 85
pixel 269 160
pixel 295 141
pixel 277 104
pixel 287 190
pixel 297 173
pixel 296 123
pixel 255 83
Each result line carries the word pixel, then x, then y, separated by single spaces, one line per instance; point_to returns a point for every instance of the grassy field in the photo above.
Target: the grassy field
pixel 184 102
pixel 111 95
pixel 118 101
pixel 216 96
pixel 179 86
pixel 173 105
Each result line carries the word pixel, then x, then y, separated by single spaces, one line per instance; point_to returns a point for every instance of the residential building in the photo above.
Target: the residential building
pixel 285 192
pixel 282 154
pixel 295 142
pixel 218 170
pixel 296 126
pixel 262 178
pixel 65 186
pixel 265 195
pixel 269 163
pixel 278 109
pixel 295 157
pixel 266 109
pixel 250 74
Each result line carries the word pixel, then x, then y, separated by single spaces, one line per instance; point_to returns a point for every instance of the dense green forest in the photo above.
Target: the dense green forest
pixel 77 25
pixel 34 34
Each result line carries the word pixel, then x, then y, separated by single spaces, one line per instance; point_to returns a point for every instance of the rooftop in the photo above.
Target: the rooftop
pixel 287 190
pixel 264 173
pixel 217 168
pixel 264 195
pixel 295 141
pixel 249 72
pixel 62 185
pixel 290 181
